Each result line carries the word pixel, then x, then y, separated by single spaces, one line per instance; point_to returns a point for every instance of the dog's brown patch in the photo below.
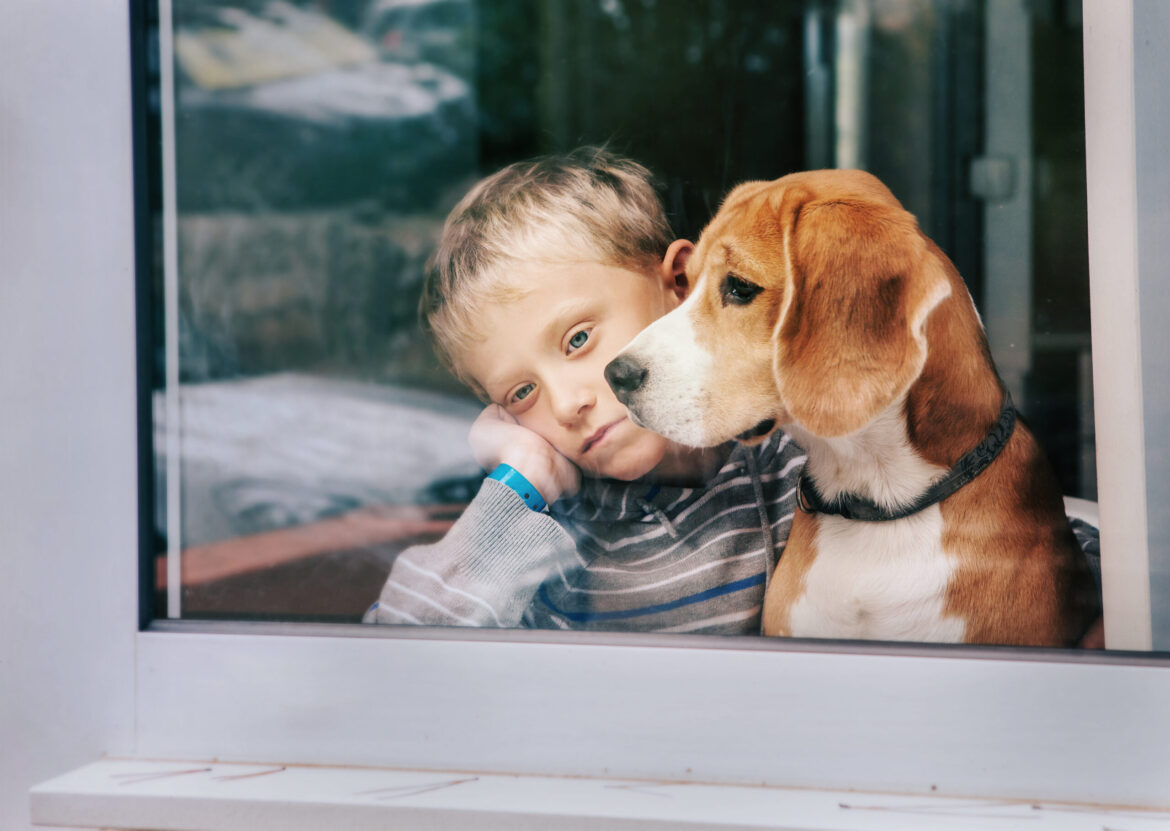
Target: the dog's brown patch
pixel 1021 576
pixel 787 584
pixel 863 285
pixel 957 397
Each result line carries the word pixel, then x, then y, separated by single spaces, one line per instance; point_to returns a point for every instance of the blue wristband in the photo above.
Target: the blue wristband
pixel 514 479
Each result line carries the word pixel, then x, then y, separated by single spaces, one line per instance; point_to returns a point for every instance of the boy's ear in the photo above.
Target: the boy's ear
pixel 674 268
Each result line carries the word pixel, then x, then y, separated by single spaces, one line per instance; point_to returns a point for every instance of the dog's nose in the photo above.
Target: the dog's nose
pixel 624 376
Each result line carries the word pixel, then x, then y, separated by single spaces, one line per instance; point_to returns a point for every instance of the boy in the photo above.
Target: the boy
pixel 544 272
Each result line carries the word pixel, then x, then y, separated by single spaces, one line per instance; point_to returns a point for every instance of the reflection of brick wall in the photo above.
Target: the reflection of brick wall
pixel 264 292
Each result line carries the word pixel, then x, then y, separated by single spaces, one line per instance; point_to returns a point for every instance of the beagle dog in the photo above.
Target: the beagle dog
pixel 927 511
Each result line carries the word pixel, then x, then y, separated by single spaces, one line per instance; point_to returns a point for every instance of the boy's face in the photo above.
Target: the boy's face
pixel 545 355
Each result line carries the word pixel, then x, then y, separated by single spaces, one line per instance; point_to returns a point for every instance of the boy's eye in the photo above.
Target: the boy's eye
pixel 578 339
pixel 522 393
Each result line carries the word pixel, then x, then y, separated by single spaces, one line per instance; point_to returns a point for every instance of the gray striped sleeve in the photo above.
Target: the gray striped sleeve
pixel 484 572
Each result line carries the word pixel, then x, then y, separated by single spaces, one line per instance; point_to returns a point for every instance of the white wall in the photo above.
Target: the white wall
pixel 67 445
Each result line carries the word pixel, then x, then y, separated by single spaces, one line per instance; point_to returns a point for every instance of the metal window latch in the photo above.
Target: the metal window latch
pixel 993 178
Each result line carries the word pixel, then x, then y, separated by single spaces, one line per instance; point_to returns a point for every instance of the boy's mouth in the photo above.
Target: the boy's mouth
pixel 599 435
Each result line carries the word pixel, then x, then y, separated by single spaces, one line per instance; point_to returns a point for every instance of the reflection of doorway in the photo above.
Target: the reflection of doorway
pixel 1031 175
pixel 936 101
pixel 896 89
pixel 972 114
pixel 1002 176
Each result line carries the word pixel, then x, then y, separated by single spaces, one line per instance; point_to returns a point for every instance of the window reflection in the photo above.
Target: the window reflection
pixel 318 147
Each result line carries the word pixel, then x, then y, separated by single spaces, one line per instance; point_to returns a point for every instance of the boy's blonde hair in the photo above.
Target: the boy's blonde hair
pixel 587 206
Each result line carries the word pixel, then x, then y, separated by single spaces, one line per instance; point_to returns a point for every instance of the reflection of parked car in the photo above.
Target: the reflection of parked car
pixel 297 492
pixel 277 451
pixel 287 108
pixel 433 31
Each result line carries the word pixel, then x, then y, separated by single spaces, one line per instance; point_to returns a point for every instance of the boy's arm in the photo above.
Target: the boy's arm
pixel 484 572
pixel 496 437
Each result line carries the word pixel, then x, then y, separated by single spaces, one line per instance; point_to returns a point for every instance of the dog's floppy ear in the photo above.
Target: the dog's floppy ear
pixel 851 338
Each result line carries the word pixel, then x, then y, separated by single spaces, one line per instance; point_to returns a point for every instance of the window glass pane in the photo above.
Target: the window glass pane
pixel 308 153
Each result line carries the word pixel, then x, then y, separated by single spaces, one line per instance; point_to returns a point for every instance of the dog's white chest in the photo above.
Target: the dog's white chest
pixel 878 581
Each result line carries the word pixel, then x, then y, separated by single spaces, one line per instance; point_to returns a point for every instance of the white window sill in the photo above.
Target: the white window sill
pixel 213 796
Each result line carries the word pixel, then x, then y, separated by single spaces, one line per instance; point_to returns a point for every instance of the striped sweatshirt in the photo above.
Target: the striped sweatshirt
pixel 619 556
pixel 630 556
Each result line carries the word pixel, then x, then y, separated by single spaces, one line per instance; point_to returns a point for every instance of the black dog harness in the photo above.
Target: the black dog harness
pixel 974 462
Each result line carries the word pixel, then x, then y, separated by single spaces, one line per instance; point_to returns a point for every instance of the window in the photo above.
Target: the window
pixel 304 434
pixel 1030 724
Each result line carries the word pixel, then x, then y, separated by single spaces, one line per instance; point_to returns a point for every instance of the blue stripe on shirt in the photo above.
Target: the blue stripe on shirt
pixel 623 614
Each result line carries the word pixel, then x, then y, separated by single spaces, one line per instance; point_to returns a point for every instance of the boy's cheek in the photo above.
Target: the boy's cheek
pixel 545 428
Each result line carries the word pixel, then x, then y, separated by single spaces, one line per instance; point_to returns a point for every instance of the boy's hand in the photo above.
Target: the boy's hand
pixel 496 438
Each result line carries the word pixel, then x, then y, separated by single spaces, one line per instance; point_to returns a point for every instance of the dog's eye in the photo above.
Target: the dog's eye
pixel 739 291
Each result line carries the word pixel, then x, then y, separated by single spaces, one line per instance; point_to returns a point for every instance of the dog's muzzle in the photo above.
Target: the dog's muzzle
pixel 625 376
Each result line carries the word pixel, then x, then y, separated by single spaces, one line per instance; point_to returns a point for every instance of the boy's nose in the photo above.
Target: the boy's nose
pixel 624 376
pixel 570 403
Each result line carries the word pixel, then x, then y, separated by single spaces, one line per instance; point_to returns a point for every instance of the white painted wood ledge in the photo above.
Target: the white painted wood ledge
pixel 155 795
